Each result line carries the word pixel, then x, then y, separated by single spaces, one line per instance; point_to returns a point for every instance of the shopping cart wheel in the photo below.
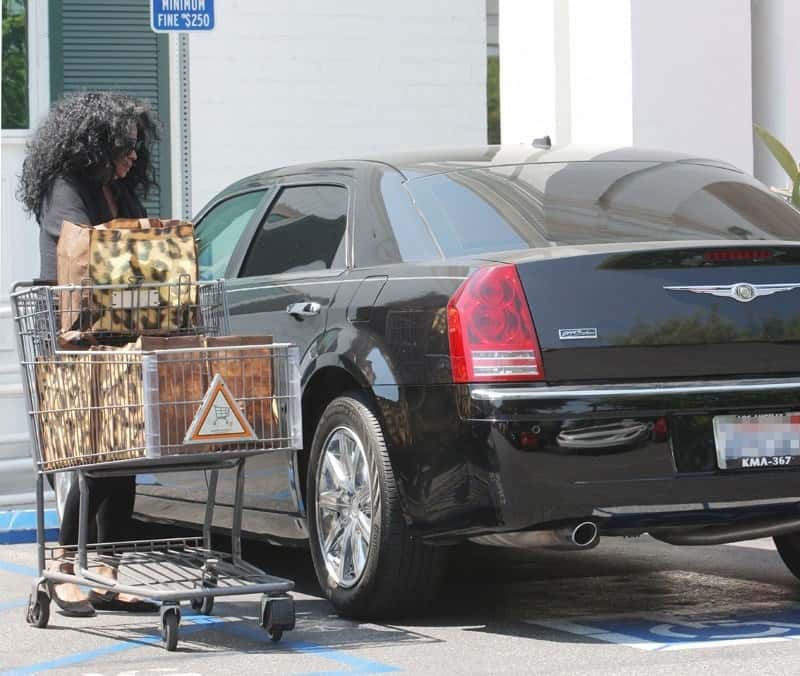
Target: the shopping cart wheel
pixel 38 611
pixel 170 621
pixel 204 606
pixel 277 615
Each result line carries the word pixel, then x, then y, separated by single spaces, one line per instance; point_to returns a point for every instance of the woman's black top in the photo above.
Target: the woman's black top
pixel 83 202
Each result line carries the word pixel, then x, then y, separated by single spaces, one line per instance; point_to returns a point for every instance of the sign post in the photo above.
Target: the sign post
pixel 183 17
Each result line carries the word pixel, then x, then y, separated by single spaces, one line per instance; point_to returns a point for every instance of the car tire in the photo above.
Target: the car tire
pixel 396 573
pixel 789 549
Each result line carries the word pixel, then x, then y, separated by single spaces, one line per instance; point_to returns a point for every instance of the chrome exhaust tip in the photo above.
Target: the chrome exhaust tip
pixel 584 535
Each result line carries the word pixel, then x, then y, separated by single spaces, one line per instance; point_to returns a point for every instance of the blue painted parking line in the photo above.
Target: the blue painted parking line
pixel 655 633
pixel 13 605
pixel 19 526
pixel 27 571
pixel 89 655
pixel 196 623
pixel 358 665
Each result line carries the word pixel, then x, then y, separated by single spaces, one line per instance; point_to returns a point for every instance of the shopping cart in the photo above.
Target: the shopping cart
pixel 101 412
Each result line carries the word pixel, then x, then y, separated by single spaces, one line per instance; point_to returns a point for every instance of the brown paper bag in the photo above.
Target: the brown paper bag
pixel 248 374
pixel 182 383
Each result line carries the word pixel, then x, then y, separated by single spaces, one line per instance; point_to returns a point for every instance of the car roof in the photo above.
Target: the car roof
pixel 421 163
pixel 428 162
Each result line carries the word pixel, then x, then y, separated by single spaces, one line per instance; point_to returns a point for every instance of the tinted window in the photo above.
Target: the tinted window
pixel 219 232
pixel 413 237
pixel 516 207
pixel 304 230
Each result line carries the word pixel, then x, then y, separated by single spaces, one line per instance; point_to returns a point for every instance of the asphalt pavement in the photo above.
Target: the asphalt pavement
pixel 630 606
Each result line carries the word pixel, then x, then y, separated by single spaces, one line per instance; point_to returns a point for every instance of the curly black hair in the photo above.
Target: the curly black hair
pixel 80 138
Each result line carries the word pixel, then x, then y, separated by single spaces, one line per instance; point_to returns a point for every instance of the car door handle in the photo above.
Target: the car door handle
pixel 306 309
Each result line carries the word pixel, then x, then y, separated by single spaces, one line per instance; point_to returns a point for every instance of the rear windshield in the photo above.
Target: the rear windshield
pixel 522 206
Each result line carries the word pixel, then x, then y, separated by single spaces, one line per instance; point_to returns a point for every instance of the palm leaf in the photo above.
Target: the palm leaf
pixel 779 152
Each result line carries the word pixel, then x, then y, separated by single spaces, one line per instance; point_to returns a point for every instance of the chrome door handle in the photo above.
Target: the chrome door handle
pixel 306 309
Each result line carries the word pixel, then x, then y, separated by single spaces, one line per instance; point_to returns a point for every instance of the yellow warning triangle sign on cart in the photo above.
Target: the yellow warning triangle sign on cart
pixel 219 418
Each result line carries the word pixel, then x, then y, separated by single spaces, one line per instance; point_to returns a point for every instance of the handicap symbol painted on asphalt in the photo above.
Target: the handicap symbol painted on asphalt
pixel 660 633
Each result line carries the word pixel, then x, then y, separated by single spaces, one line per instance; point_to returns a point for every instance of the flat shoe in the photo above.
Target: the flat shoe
pixel 72 608
pixel 112 602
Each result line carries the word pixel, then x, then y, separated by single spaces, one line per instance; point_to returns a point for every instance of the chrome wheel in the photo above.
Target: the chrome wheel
pixel 344 498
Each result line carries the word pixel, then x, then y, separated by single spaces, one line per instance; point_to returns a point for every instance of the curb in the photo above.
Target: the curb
pixel 19 526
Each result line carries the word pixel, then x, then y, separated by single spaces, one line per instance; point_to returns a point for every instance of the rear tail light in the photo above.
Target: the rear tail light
pixel 491 330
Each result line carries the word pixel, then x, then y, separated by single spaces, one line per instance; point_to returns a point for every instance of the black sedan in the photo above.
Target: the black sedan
pixel 514 346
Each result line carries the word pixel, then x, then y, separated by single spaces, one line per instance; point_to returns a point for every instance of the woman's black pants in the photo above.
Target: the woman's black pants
pixel 110 505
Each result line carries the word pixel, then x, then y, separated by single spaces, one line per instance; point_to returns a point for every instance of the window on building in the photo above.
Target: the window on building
pixel 304 231
pixel 15 65
pixel 492 72
pixel 219 231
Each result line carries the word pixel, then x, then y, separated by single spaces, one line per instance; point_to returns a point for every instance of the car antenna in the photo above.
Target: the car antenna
pixel 543 142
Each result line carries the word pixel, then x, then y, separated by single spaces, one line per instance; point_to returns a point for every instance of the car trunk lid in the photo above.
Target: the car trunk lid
pixel 718 310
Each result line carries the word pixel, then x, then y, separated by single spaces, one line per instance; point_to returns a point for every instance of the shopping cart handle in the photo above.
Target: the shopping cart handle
pixel 33 282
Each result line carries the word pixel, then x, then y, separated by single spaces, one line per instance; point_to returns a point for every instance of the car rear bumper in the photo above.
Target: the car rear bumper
pixel 629 457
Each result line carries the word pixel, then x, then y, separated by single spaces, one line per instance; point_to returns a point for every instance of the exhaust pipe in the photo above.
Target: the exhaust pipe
pixel 720 535
pixel 584 535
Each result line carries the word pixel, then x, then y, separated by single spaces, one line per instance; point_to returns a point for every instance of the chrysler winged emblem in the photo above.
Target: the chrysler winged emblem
pixel 741 291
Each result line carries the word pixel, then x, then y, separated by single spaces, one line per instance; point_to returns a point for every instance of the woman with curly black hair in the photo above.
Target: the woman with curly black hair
pixel 88 162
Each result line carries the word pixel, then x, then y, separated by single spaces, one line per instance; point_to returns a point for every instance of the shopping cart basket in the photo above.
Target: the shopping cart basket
pixel 103 412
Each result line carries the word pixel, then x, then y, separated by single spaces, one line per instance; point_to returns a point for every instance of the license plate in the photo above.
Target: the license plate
pixel 757 441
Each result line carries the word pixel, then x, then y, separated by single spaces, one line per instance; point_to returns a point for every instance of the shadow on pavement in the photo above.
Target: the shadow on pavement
pixel 504 591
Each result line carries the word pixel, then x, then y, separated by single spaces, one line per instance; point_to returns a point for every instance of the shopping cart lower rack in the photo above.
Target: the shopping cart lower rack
pixel 166 570
pixel 116 412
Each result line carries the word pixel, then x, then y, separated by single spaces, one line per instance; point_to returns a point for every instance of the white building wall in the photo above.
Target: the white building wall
pixel 692 78
pixel 776 82
pixel 300 80
pixel 673 74
pixel 19 260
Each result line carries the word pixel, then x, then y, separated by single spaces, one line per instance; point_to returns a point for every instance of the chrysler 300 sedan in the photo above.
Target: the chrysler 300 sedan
pixel 514 346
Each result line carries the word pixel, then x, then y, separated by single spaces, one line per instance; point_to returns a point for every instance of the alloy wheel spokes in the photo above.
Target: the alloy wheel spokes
pixel 344 506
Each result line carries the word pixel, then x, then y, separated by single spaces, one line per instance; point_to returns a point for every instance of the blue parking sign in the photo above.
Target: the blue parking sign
pixel 178 16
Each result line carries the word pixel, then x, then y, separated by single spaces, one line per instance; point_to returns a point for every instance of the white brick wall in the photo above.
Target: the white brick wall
pixel 290 81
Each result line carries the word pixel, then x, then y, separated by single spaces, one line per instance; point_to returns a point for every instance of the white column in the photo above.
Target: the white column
pixel 776 82
pixel 670 74
pixel 528 82
pixel 692 77
pixel 600 71
pixel 565 71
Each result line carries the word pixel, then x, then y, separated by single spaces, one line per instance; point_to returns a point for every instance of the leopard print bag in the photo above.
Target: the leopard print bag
pixel 128 253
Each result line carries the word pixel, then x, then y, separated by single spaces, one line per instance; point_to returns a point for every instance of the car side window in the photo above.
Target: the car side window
pixel 413 237
pixel 304 230
pixel 219 231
